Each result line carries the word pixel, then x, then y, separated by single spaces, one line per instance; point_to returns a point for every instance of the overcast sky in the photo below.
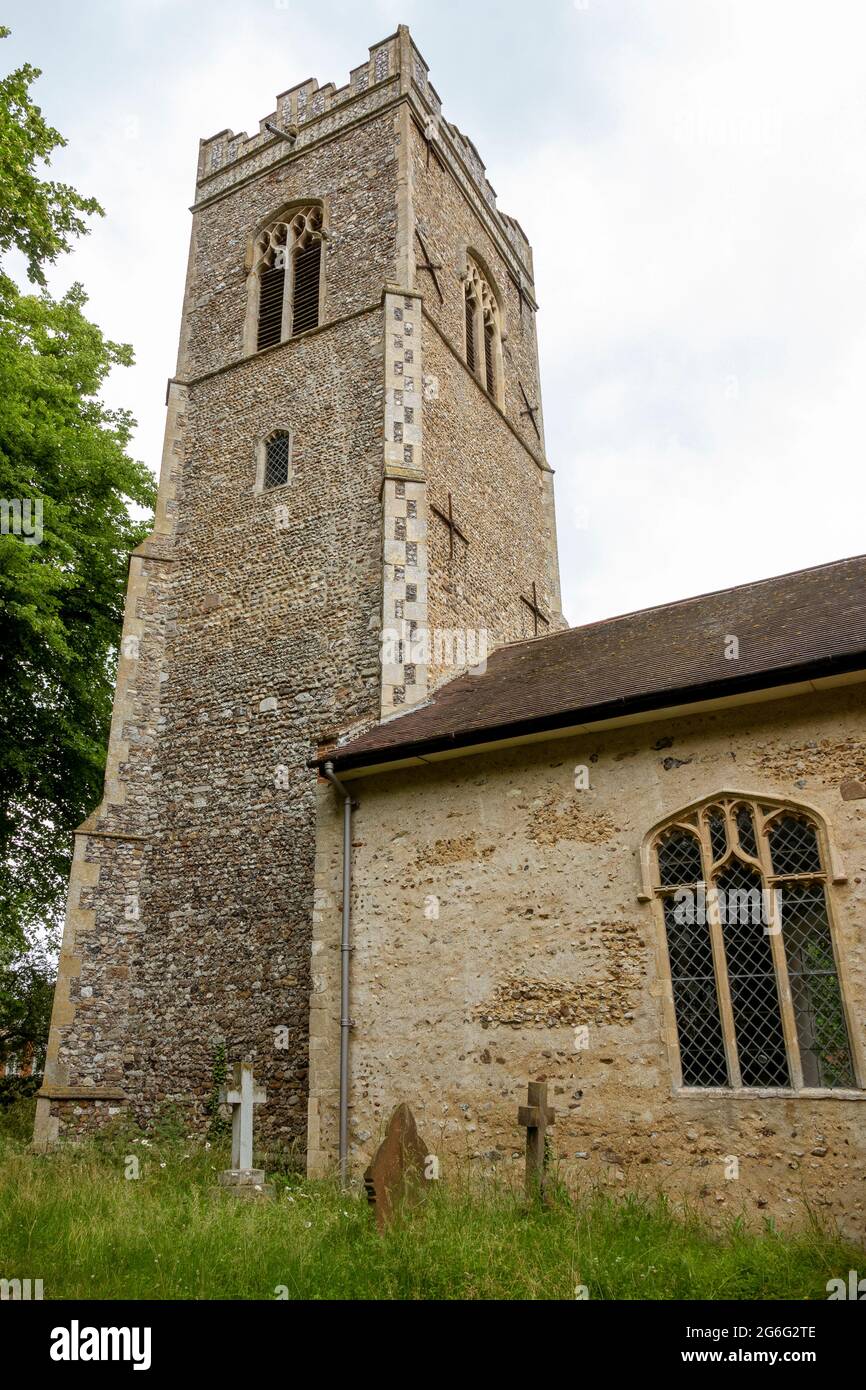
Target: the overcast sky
pixel 689 172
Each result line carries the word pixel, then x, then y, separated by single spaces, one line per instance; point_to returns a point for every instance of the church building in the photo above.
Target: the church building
pixel 628 859
pixel 374 817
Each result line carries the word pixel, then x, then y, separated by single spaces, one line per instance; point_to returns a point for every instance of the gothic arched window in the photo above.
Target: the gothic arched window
pixel 743 889
pixel 285 279
pixel 483 331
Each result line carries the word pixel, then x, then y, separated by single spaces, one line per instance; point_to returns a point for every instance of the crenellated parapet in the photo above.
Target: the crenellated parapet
pixel 309 113
pixel 317 111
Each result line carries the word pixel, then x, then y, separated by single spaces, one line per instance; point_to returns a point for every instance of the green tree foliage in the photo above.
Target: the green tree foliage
pixel 36 216
pixel 26 996
pixel 63 456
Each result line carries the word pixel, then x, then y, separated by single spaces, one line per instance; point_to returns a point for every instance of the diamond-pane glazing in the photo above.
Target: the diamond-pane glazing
pixel 825 1049
pixel 718 833
pixel 693 977
pixel 679 856
pixel 277 461
pixel 794 847
pixel 752 979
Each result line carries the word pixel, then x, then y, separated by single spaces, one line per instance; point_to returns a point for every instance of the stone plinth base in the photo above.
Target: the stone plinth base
pixel 247 1183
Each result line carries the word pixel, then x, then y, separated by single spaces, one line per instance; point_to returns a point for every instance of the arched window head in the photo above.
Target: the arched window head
pixel 274 460
pixel 286 277
pixel 742 887
pixel 483 331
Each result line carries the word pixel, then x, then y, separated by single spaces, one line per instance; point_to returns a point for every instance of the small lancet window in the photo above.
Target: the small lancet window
pixel 278 455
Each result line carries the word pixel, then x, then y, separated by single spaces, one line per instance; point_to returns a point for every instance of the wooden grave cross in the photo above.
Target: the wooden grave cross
pixel 535 1117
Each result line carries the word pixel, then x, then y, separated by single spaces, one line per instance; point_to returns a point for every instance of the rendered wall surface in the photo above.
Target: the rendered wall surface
pixel 496 908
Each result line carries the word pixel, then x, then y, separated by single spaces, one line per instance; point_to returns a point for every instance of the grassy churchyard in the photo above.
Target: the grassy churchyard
pixel 82 1222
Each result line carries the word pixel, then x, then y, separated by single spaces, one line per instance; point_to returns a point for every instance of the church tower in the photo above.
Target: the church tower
pixel 354 498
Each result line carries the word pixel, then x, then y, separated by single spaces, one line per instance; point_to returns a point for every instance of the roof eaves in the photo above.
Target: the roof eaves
pixel 345 759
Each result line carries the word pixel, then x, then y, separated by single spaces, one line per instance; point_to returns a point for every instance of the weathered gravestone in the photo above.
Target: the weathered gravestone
pixel 535 1117
pixel 396 1176
pixel 242 1179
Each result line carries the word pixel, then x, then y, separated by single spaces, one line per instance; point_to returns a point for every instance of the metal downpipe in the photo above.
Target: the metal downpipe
pixel 345 951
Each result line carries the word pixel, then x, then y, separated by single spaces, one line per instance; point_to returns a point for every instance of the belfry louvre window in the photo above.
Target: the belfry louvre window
pixel 489 349
pixel 305 293
pixel 483 331
pixel 470 328
pixel 743 893
pixel 287 270
pixel 271 293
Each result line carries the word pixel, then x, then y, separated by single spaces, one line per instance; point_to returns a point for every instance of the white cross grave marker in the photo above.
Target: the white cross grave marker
pixel 242 1094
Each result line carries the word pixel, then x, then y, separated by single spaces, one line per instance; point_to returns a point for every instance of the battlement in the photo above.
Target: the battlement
pixel 394 67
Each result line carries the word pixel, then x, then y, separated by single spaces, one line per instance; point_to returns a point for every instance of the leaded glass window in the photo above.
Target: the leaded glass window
pixel 278 453
pixel 754 980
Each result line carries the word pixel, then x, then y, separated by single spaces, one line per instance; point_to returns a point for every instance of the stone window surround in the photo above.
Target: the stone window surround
pixel 261 458
pixel 652 893
pixel 495 226
pixel 475 276
pixel 253 262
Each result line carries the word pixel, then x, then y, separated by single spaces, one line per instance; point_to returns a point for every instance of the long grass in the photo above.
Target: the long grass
pixel 75 1220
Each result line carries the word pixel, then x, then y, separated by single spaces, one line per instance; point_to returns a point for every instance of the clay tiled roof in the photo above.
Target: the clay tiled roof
pixel 794 627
